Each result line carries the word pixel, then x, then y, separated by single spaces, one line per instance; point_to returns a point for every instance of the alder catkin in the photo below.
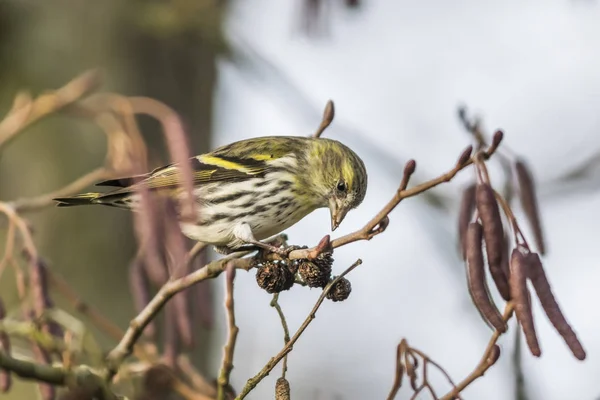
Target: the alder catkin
pixel 476 279
pixel 520 296
pixel 467 206
pixel 551 308
pixel 5 377
pixel 493 234
pixel 528 197
pixel 139 286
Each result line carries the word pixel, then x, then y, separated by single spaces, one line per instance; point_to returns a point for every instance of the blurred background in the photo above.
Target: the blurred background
pixel 397 71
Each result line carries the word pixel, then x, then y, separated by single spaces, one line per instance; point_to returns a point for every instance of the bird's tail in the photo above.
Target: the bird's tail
pixel 78 200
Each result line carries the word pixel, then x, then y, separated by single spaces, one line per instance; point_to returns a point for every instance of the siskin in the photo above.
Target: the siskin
pixel 253 189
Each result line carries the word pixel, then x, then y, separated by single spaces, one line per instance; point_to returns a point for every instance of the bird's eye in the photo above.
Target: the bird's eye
pixel 341 186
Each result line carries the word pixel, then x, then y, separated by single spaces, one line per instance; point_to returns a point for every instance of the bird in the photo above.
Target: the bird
pixel 250 190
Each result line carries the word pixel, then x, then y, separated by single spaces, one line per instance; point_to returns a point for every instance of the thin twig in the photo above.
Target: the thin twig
pixel 35 203
pixel 32 111
pixel 428 360
pixel 77 376
pixel 30 330
pixel 286 330
pixel 252 382
pixel 486 361
pixel 168 290
pixel 228 351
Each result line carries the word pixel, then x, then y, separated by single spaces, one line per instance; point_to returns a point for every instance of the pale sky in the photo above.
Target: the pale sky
pixel 397 70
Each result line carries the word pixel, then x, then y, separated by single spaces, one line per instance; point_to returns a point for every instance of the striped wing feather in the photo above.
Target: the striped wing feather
pixel 223 165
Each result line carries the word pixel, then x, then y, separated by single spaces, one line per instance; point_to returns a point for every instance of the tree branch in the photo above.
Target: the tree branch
pixel 76 377
pixel 379 222
pixel 228 351
pixel 168 290
pixel 487 360
pixel 252 382
pixel 35 203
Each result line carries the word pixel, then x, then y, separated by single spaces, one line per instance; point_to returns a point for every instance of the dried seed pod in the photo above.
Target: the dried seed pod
pixel 5 377
pixel 324 260
pixel 340 291
pixel 493 234
pixel 170 334
pixel 520 295
pixel 176 255
pixel 506 259
pixel 274 277
pixel 529 203
pixel 140 290
pixel 476 279
pixel 282 389
pixel 38 278
pixel 315 273
pixel 183 319
pixel 551 308
pixel 467 206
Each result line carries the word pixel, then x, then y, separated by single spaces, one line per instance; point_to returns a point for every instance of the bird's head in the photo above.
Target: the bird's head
pixel 340 178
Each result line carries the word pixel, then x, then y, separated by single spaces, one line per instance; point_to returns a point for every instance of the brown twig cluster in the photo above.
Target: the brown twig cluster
pixel 511 263
pixel 408 360
pixel 126 155
pixel 163 263
pixel 484 240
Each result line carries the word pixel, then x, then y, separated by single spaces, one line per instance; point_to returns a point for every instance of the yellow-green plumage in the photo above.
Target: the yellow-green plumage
pixel 252 189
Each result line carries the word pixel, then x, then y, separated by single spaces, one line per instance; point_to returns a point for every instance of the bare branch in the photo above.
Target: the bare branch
pixel 168 290
pixel 252 382
pixel 379 222
pixel 286 330
pixel 228 351
pixel 45 200
pixel 25 112
pixel 77 376
pixel 490 356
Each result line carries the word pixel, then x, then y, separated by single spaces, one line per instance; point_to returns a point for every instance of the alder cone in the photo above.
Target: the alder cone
pixel 274 277
pixel 282 389
pixel 340 291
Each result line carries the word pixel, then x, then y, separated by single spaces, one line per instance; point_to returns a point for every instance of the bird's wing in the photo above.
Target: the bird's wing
pixel 207 168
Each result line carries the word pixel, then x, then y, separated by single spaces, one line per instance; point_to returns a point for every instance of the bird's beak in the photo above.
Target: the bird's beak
pixel 337 213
